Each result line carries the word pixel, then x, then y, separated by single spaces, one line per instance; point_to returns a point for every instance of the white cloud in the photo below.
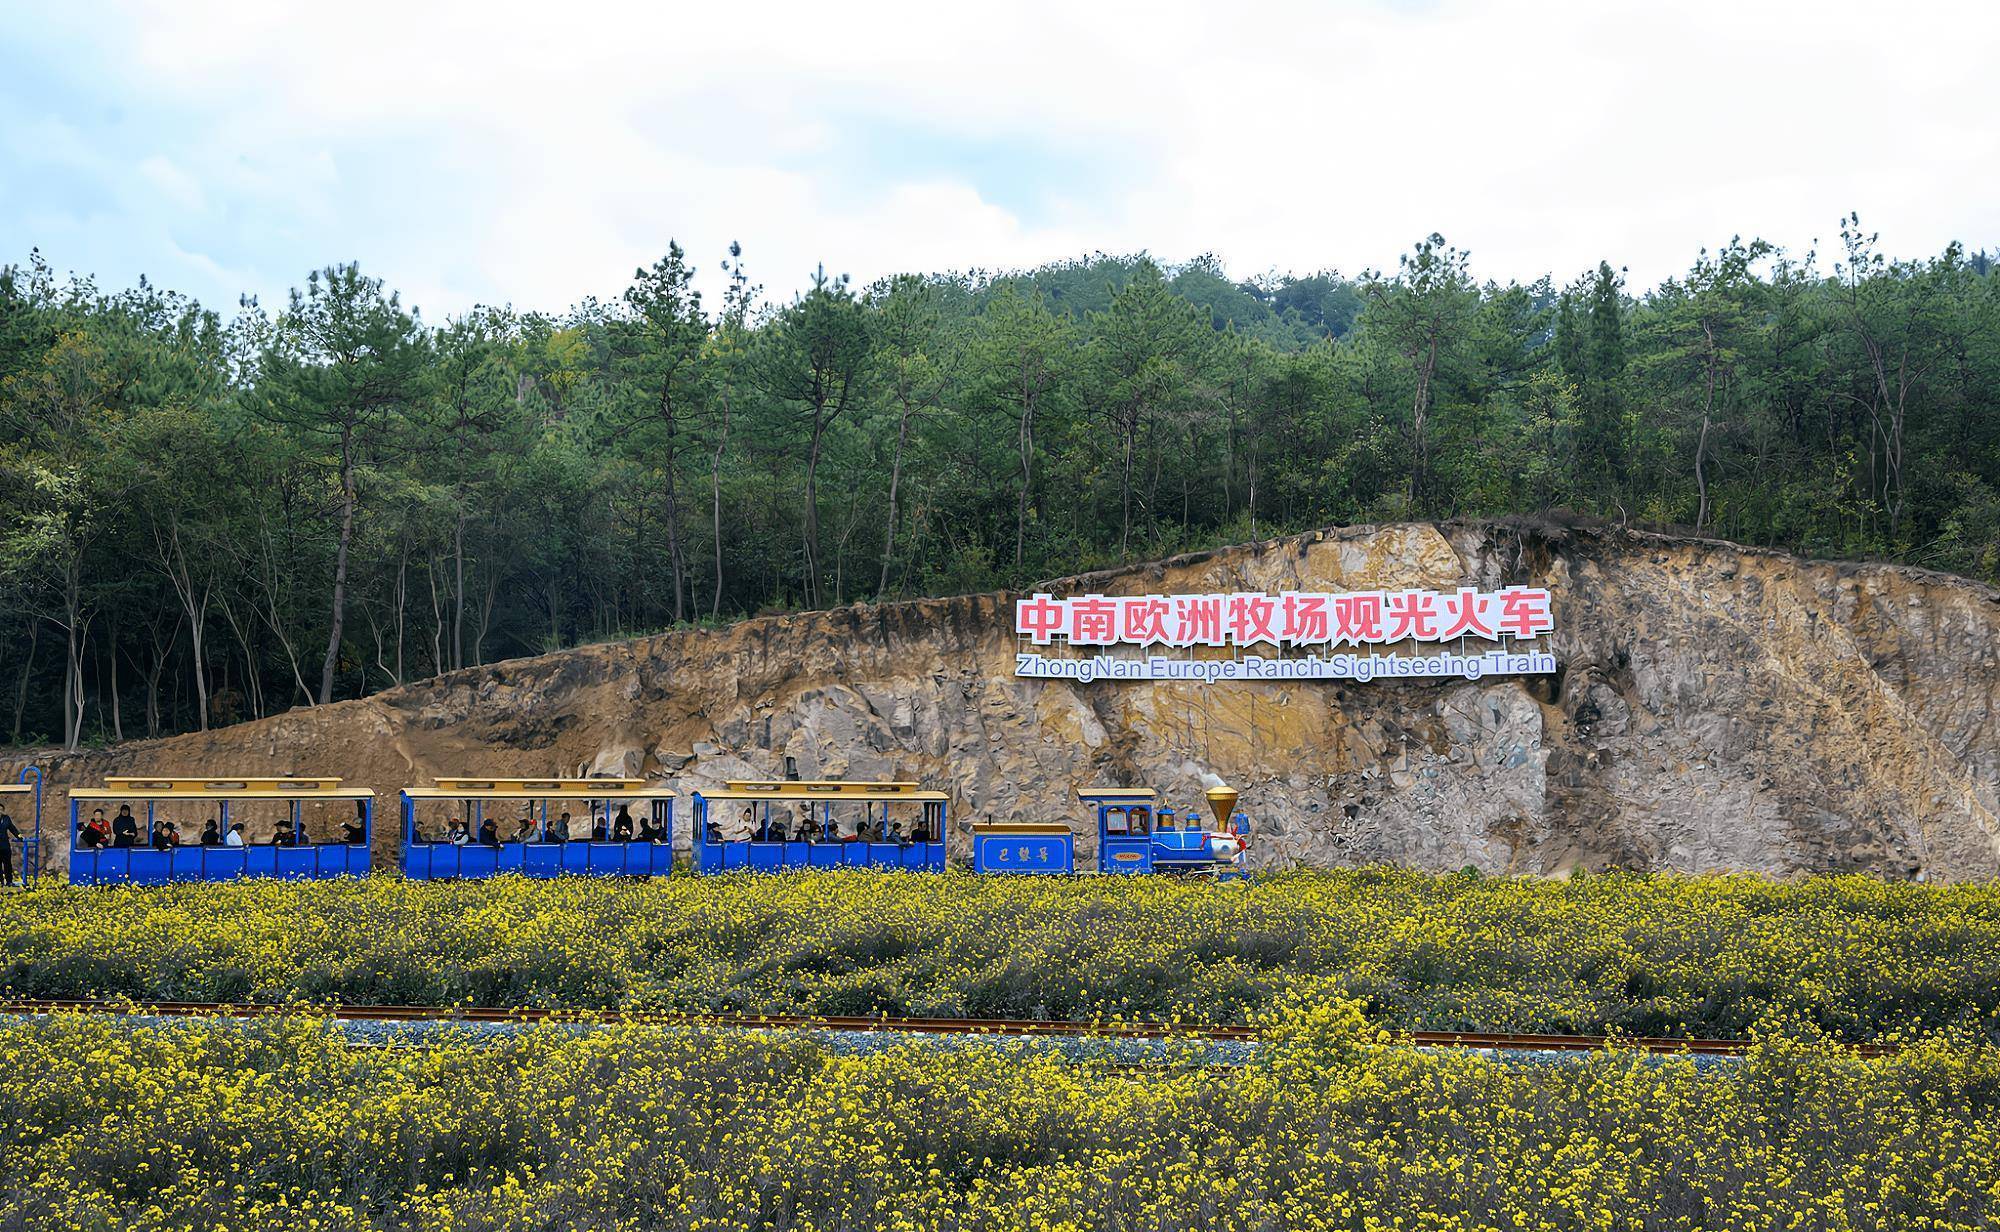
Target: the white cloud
pixel 176 186
pixel 537 155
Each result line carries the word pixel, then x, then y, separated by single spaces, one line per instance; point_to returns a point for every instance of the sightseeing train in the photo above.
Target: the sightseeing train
pixel 476 826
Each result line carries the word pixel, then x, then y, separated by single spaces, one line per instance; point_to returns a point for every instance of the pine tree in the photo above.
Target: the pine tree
pixel 1601 444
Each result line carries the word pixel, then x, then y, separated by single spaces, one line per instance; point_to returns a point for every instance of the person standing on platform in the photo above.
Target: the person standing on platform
pixel 9 835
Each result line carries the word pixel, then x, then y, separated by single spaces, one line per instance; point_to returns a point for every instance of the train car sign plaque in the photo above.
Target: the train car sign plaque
pixel 1023 847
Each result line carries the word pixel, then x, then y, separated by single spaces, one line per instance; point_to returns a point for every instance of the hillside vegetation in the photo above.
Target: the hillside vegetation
pixel 203 520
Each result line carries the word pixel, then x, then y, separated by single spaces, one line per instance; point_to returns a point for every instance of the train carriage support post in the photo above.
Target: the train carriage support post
pixel 12 796
pixel 546 849
pixel 290 852
pixel 818 823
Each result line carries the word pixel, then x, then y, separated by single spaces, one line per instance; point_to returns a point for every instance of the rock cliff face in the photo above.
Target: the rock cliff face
pixel 1717 708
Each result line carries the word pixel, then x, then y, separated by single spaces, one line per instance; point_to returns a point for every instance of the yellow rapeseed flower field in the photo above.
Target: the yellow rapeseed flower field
pixel 1857 958
pixel 280 1125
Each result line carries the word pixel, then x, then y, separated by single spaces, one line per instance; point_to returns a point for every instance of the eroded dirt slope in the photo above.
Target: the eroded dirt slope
pixel 1718 708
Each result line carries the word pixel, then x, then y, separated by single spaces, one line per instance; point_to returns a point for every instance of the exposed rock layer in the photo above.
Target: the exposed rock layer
pixel 1718 708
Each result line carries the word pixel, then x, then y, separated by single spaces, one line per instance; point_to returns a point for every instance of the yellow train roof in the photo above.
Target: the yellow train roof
pixel 304 785
pixel 544 784
pixel 821 789
pixel 141 792
pixel 1124 795
pixel 541 790
pixel 829 787
pixel 16 789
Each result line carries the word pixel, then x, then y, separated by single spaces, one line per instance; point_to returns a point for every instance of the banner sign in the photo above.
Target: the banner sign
pixel 1314 622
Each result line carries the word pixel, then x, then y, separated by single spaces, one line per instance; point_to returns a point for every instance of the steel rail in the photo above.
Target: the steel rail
pixel 1497 1041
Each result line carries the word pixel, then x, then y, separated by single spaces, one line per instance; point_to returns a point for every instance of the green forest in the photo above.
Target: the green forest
pixel 209 516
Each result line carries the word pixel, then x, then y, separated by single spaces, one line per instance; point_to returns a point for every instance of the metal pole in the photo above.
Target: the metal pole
pixel 30 870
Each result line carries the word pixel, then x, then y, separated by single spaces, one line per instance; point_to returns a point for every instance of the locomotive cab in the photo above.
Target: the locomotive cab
pixel 1135 834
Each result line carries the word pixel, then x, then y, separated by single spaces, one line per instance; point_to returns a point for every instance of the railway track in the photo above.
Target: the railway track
pixel 1017 1027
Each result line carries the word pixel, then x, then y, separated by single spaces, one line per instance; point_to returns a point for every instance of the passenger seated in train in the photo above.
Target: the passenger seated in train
pixel 90 836
pixel 166 836
pixel 600 831
pixel 125 828
pixel 769 830
pixel 354 832
pixel 524 828
pixel 284 836
pixel 621 829
pixel 211 834
pixel 457 833
pixel 235 836
pixel 652 829
pixel 558 830
pixel 489 832
pixel 712 832
pixel 896 834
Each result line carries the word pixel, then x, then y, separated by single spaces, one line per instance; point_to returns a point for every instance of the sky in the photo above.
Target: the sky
pixel 535 155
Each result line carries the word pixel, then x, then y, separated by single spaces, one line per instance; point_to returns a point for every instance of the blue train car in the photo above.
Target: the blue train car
pixel 1136 835
pixel 818 824
pixel 22 802
pixel 470 841
pixel 118 852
